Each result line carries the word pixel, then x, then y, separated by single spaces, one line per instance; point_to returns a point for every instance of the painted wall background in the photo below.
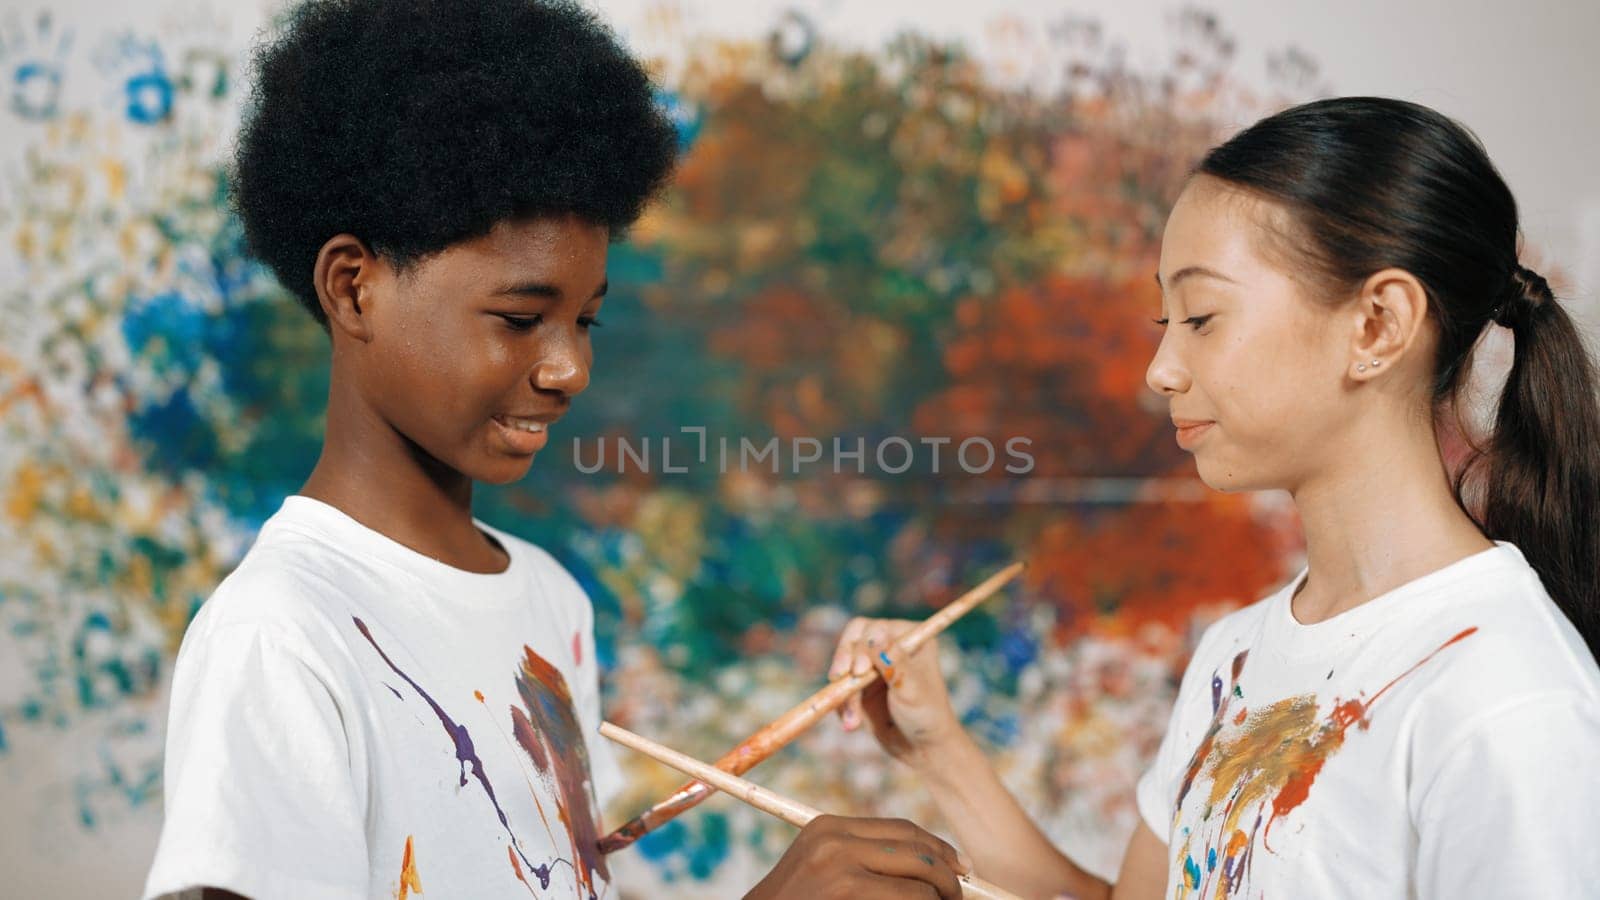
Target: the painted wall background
pixel 893 222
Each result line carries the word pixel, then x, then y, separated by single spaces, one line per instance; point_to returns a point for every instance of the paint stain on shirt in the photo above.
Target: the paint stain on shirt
pixel 1261 765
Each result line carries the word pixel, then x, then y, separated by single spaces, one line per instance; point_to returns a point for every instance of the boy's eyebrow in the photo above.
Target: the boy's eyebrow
pixel 1187 271
pixel 548 291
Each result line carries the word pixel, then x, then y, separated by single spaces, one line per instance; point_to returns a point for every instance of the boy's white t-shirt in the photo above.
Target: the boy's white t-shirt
pixel 351 718
pixel 1442 740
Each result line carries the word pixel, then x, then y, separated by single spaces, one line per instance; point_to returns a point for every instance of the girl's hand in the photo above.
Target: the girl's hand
pixel 909 708
pixel 863 859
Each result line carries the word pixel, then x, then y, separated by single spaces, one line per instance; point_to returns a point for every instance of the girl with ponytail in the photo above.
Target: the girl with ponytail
pixel 1417 713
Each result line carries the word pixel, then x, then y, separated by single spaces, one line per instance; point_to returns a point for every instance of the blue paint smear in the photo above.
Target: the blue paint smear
pixel 712 848
pixel 149 96
pixel 686 118
pixel 1018 649
pixel 665 841
pixel 21 91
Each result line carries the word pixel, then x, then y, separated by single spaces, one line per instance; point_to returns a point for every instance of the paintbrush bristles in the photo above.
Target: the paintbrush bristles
pixel 792 811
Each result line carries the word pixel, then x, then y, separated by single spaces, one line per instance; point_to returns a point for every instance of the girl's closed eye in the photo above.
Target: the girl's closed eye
pixel 1195 322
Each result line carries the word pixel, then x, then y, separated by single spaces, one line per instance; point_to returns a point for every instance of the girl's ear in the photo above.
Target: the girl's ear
pixel 1386 321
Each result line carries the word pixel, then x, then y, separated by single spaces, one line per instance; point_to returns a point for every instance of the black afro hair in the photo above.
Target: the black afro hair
pixel 416 124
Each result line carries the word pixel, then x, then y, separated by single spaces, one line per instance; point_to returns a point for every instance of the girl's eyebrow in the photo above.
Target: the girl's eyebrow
pixel 1187 271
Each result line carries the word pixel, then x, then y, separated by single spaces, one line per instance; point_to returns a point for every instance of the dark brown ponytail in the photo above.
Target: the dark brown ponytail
pixel 1378 183
pixel 1538 473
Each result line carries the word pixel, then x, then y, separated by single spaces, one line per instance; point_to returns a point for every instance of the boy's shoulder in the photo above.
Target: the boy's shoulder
pixel 282 585
pixel 308 569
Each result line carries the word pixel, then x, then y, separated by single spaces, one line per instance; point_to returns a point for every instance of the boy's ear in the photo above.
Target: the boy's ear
pixel 344 274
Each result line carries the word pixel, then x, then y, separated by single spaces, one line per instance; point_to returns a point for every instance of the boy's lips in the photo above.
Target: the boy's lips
pixel 525 435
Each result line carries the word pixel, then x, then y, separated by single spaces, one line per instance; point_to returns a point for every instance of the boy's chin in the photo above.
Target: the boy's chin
pixel 503 470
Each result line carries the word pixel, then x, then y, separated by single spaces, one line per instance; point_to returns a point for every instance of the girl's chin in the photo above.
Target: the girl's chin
pixel 1232 480
pixel 1217 476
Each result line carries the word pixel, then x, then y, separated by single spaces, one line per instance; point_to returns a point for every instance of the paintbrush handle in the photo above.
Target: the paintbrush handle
pixel 955 609
pixel 784 729
pixel 771 802
pixel 792 811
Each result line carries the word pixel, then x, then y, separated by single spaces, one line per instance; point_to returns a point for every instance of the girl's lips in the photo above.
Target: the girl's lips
pixel 1190 432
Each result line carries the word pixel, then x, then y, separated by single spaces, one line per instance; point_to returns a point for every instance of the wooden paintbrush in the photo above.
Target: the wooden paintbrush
pixel 792 811
pixel 776 735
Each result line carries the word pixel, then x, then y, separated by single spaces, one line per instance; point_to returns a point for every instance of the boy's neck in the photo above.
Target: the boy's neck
pixel 375 475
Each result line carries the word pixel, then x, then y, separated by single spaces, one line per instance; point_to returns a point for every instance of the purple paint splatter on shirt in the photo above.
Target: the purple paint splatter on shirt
pixel 466 754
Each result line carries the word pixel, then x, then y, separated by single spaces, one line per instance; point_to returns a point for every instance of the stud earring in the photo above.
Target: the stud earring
pixel 1376 363
pixel 1361 367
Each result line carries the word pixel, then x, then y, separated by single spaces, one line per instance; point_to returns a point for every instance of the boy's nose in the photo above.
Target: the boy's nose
pixel 565 370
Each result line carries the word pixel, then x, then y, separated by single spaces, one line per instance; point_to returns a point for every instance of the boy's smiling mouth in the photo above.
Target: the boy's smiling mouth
pixel 526 423
pixel 524 435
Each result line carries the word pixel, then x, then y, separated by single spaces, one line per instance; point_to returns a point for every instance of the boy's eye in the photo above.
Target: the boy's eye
pixel 521 323
pixel 588 322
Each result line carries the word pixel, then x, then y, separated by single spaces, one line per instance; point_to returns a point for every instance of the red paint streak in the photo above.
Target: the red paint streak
pixel 577 648
pixel 517 868
pixel 1350 712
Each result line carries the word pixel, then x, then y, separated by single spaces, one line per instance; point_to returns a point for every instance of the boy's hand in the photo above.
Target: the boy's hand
pixel 909 709
pixel 863 859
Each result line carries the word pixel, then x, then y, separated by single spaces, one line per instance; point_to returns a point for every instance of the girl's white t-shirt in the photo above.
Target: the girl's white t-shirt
pixel 351 718
pixel 1441 740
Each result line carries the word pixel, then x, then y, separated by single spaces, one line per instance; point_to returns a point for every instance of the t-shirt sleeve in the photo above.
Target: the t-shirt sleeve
pixel 259 793
pixel 1156 793
pixel 1511 810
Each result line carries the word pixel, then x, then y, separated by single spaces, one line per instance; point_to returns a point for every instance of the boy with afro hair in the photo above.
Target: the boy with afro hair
pixel 387 692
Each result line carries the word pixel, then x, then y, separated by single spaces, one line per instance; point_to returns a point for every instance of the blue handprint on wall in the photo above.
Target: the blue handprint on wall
pixel 37 62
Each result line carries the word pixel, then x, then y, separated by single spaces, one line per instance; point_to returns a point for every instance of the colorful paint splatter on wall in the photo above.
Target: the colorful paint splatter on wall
pixel 860 245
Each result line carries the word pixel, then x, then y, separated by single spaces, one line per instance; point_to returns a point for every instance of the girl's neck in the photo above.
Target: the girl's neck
pixel 1384 516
